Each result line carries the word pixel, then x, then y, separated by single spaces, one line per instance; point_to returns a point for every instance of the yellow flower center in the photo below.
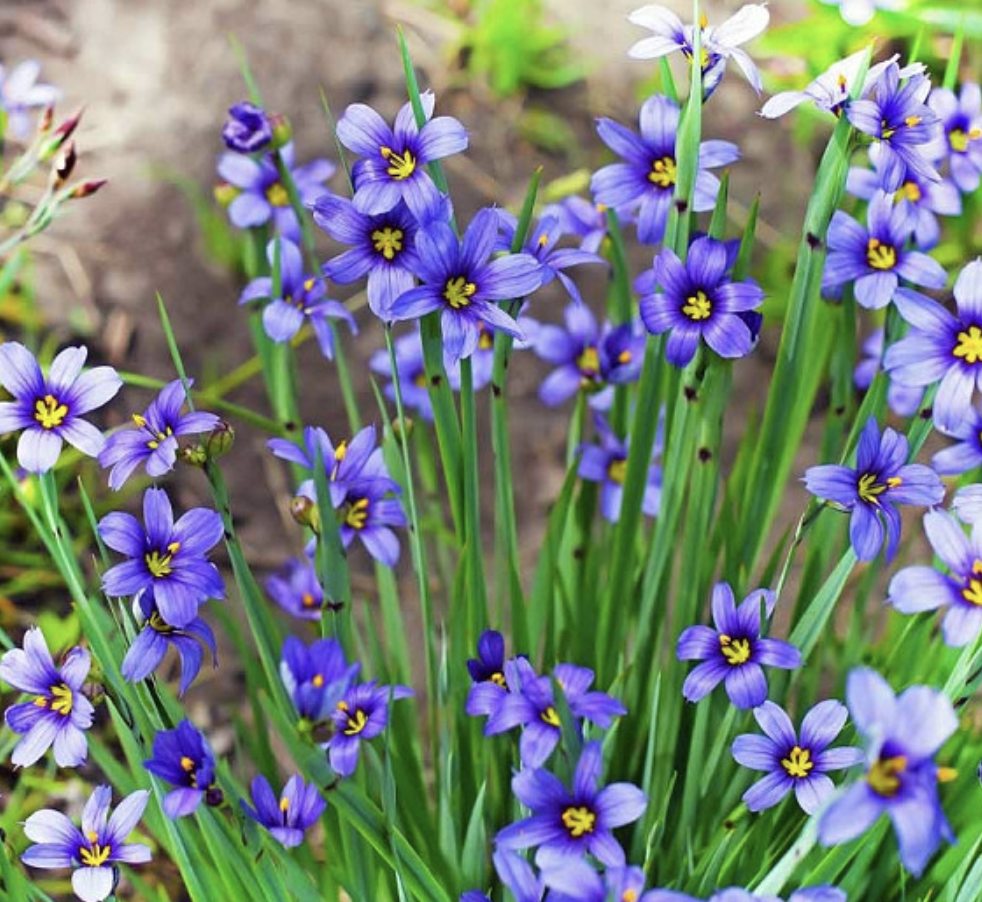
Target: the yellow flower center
pixel 588 363
pixel 318 680
pixel 911 121
pixel 401 165
pixel 458 292
pixel 158 624
pixel 972 593
pixel 869 489
pixel 159 564
pixel 96 855
pixel 736 651
pixel 387 241
pixel 884 775
pixel 911 191
pixel 550 717
pixel 60 700
pixel 356 513
pixel 625 356
pixel 629 895
pixel 617 471
pixel 356 723
pixel 798 763
pixel 50 412
pixel 879 255
pixel 277 195
pixel 958 139
pixel 969 347
pixel 187 764
pixel 664 172
pixel 308 601
pixel 578 821
pixel 698 306
pixel 498 678
pixel 284 804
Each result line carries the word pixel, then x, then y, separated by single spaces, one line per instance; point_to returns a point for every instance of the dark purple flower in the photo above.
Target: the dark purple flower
pixel 153 443
pixel 50 409
pixel 165 557
pixel 301 297
pixel 59 714
pixel 645 181
pixel 247 129
pixel 793 763
pixel 903 734
pixel 92 851
pixel 297 590
pixel 898 118
pixel 697 300
pixel 587 357
pixel 942 346
pixel 530 703
pixel 360 715
pixel 183 757
pixel 290 816
pixel 157 635
pixel 734 652
pixel 20 93
pixel 571 823
pixel 383 248
pixel 606 463
pixel 488 674
pixel 462 282
pixel 903 400
pixel 262 197
pixel 315 677
pixel 960 141
pixel 876 258
pixel 916 589
pixel 880 479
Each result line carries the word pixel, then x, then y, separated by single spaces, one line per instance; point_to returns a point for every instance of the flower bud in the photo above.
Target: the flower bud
pixel 282 130
pixel 225 193
pixel 304 511
pixel 60 136
pixel 86 189
pixel 248 128
pixel 64 164
pixel 219 441
pixel 214 796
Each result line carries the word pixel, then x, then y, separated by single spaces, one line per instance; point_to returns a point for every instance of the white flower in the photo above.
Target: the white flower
pixel 859 12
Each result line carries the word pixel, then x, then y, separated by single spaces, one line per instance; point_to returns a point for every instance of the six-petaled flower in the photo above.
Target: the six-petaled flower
pixel 289 816
pixel 183 758
pixel 361 714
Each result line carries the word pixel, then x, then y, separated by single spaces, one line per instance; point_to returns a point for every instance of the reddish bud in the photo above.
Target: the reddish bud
pixel 85 189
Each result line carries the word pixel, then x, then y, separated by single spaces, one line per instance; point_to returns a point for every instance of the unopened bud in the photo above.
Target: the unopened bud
pixel 44 121
pixel 282 130
pixel 304 511
pixel 60 135
pixel 86 189
pixel 219 441
pixel 64 163
pixel 403 429
pixel 225 193
pixel 194 455
pixel 214 796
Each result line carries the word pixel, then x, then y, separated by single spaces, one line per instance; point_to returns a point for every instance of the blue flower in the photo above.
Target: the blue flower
pixel 20 93
pixel 903 734
pixel 967 454
pixel 183 758
pixel 288 817
pixel 360 715
pixel 961 139
pixel 247 129
pixel 903 400
pixel 734 652
pixel 315 677
pixel 296 590
pixel 487 671
pixel 588 221
pixel 869 491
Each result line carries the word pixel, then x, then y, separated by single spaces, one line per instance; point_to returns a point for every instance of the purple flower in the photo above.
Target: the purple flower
pixel 50 409
pixel 793 763
pixel 530 703
pixel 875 258
pixel 300 297
pixel 315 677
pixel 916 589
pixel 360 715
pixel 573 822
pixel 967 454
pixel 383 247
pixel 606 463
pixel 394 161
pixel 157 635
pixel 59 714
pixel 738 894
pixel 903 734
pixel 262 197
pixel 92 851
pixel 899 119
pixel 183 757
pixel 20 93
pixel 368 514
pixel 959 142
pixel 718 44
pixel 880 479
pixel 488 674
pixel 411 372
pixel 903 400
pixel 646 180
pixel 587 357
pixel 462 282
pixel 578 216
pixel 734 652
pixel 291 815
pixel 697 301
pixel 942 346
pixel 248 128
pixel 967 504
pixel 153 443
pixel 296 590
pixel 165 557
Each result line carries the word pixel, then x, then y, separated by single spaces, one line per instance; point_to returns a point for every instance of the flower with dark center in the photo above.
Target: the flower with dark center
pixel 291 815
pixel 316 676
pixel 296 590
pixel 59 714
pixel 183 758
pixel 49 408
pixel 488 675
pixel 92 850
pixel 960 141
pixel 360 715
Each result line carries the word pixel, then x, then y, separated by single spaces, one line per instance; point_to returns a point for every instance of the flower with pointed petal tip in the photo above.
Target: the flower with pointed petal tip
pixel 153 443
pixel 575 821
pixel 734 652
pixel 587 220
pixel 360 715
pixel 49 409
pixel 316 677
pixel 967 504
pixel 967 454
pixel 20 93
pixel 59 714
pixel 738 894
pixel 93 850
pixel 297 590
pixel 869 491
pixel 487 672
pixel 165 557
pixel 183 757
pixel 291 815
pixel 961 139
pixel 793 763
pixel 645 180
pixel 903 734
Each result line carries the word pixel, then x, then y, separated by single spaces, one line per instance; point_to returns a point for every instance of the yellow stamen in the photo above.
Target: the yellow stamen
pixel 498 678
pixel 664 172
pixel 458 292
pixel 972 593
pixel 158 624
pixel 879 255
pixel 798 763
pixel 946 774
pixel 159 564
pixel 97 855
pixel 401 166
pixel 61 699
pixel 356 513
pixel 579 821
pixel 698 307
pixel 624 357
pixel 50 412
pixel 387 241
pixel 911 191
pixel 869 489
pixel 884 775
pixel 187 764
pixel 550 717
pixel 911 121
pixel 617 471
pixel 629 895
pixel 342 705
pixel 588 363
pixel 308 600
pixel 356 724
pixel 284 804
pixel 736 651
pixel 969 347
pixel 140 420
pixel 277 195
pixel 318 680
